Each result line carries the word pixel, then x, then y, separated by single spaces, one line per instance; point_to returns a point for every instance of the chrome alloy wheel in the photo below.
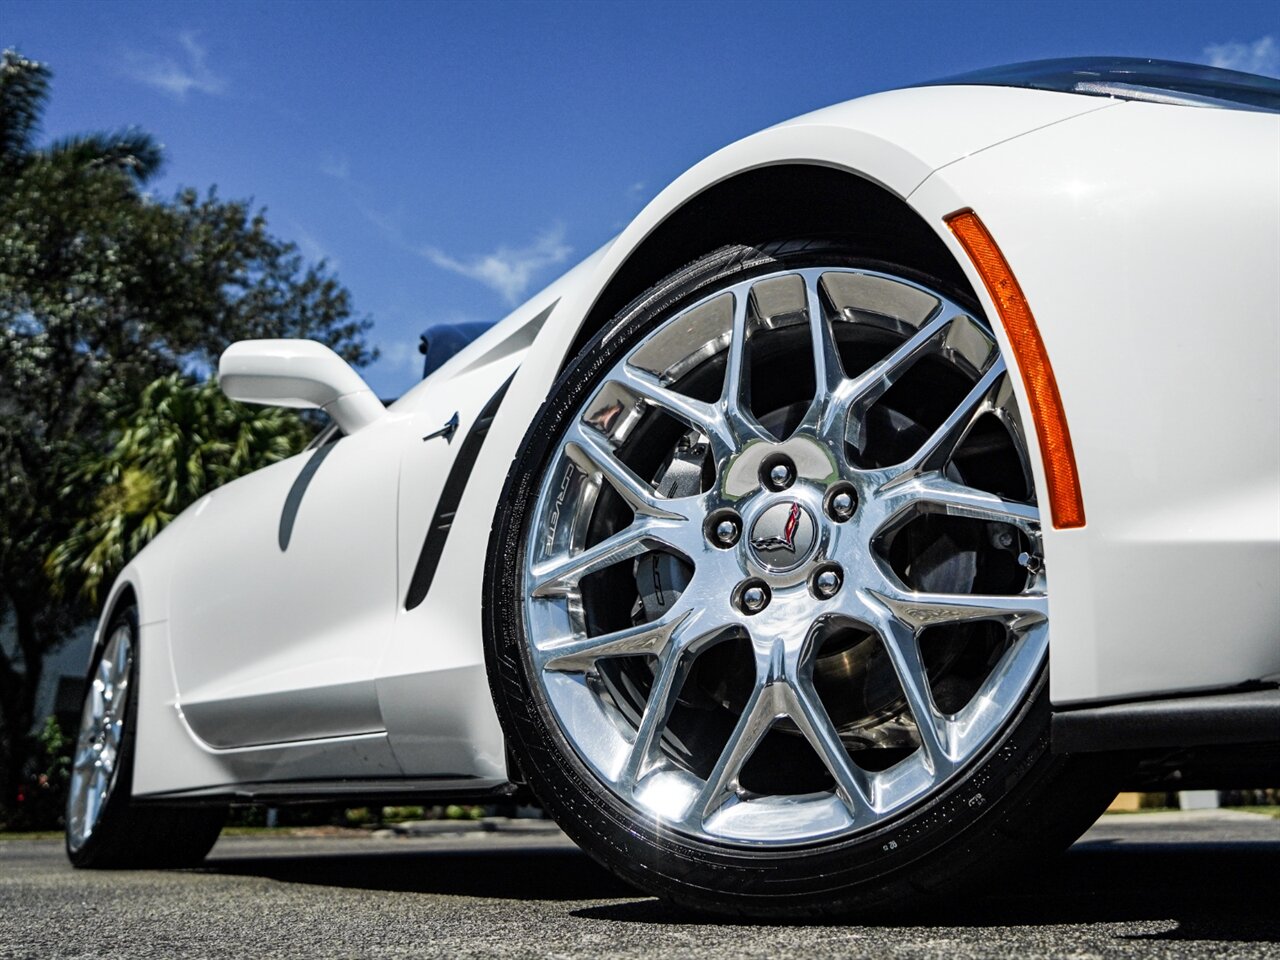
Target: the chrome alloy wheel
pixel 98 746
pixel 783 579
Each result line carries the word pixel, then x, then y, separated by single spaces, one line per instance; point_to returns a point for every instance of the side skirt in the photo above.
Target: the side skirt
pixel 1208 719
pixel 381 792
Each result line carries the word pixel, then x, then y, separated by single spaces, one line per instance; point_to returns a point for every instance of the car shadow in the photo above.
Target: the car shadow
pixel 1212 891
pixel 519 873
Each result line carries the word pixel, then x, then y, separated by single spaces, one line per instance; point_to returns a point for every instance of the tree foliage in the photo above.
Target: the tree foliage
pixel 105 289
pixel 181 440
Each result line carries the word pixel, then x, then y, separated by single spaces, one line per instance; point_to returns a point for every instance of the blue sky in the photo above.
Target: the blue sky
pixel 449 159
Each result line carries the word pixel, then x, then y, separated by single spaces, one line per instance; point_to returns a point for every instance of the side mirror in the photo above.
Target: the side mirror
pixel 298 373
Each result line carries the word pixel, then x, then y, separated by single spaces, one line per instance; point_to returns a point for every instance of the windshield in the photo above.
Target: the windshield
pixel 1155 81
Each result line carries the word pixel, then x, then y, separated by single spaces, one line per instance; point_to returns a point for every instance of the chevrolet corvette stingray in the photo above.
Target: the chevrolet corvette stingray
pixel 899 484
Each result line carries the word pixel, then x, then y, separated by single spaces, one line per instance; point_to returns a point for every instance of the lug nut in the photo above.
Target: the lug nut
pixel 753 596
pixel 827 583
pixel 777 472
pixel 723 529
pixel 841 506
pixel 754 599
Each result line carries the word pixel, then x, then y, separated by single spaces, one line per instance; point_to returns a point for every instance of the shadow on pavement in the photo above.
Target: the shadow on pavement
pixel 538 873
pixel 1217 892
pixel 1213 891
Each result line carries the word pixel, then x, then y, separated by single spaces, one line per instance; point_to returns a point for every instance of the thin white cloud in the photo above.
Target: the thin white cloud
pixel 338 167
pixel 1260 56
pixel 508 270
pixel 312 248
pixel 401 357
pixel 387 224
pixel 176 75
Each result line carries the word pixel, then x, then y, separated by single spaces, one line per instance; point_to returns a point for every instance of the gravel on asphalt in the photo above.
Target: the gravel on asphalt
pixel 1176 885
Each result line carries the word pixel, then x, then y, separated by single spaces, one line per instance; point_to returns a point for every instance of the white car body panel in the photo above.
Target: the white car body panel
pixel 380 691
pixel 1169 369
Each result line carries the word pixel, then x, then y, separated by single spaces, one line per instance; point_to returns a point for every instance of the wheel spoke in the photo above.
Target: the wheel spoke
pixel 993 699
pixel 811 717
pixel 79 799
pixel 737 374
pixel 121 658
pixel 93 799
pixel 558 576
pixel 735 397
pixel 757 718
pixel 119 700
pixel 903 648
pixel 958 500
pixel 762 710
pixel 830 400
pixel 102 678
pixel 585 448
pixel 696 414
pixel 937 450
pixel 925 609
pixel 828 371
pixel 673 669
pixel 868 387
pixel 95 706
pixel 578 654
pixel 85 755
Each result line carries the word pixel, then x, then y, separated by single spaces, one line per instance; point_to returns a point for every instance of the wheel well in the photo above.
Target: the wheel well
pixel 771 203
pixel 123 599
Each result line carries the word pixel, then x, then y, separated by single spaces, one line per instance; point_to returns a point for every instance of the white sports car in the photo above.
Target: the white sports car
pixel 739 546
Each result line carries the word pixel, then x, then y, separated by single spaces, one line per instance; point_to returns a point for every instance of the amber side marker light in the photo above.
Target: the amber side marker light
pixel 1065 502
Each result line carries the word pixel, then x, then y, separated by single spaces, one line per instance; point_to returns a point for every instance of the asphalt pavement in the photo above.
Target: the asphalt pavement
pixel 1177 885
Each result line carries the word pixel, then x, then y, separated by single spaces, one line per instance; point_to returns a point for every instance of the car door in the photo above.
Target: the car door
pixel 283 605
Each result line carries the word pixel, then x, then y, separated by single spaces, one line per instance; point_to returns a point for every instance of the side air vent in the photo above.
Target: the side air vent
pixel 450 497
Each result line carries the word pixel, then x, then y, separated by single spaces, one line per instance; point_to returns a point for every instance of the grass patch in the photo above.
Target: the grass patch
pixel 1273 812
pixel 316 831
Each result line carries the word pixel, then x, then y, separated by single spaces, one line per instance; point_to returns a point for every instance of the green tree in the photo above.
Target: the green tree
pixel 104 289
pixel 182 440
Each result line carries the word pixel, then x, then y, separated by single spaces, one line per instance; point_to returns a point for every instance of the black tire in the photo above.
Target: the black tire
pixel 133 835
pixel 1015 802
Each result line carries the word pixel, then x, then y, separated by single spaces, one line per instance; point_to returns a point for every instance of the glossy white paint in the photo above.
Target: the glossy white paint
pixel 1113 217
pixel 281 613
pixel 298 373
pixel 1148 245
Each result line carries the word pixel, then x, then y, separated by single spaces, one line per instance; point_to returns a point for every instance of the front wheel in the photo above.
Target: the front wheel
pixel 106 827
pixel 768 619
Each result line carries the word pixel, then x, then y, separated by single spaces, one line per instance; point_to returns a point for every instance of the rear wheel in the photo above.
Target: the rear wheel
pixel 106 827
pixel 768 621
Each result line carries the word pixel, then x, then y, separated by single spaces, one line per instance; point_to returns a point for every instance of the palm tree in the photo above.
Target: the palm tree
pixel 104 289
pixel 181 441
pixel 32 413
pixel 24 92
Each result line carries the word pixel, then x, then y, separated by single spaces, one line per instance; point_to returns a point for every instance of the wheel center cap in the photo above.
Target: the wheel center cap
pixel 783 536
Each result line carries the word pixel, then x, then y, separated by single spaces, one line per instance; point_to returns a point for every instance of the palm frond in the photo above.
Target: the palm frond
pixel 24 90
pixel 131 151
